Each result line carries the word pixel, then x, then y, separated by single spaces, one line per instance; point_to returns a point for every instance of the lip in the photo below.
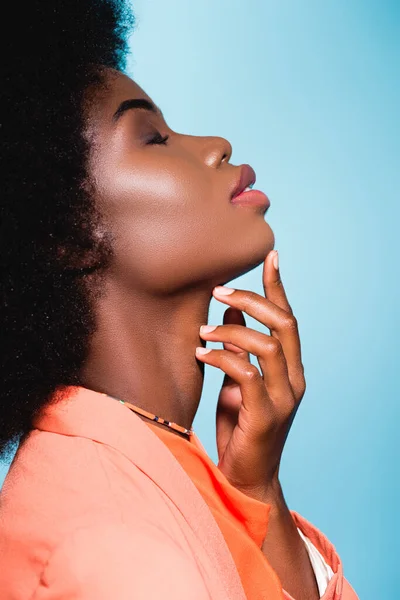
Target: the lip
pixel 247 177
pixel 252 198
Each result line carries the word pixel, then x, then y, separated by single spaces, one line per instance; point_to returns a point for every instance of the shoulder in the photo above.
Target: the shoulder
pixel 77 513
pixel 53 475
pixel 55 484
pixel 120 560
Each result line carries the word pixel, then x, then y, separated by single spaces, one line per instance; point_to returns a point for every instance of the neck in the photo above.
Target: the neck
pixel 143 352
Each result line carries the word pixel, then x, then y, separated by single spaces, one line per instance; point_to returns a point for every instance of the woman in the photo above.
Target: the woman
pixel 116 233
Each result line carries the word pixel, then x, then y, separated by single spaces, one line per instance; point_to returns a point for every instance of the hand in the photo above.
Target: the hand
pixel 255 411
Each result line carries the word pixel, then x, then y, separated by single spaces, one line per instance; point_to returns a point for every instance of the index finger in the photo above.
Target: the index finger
pixel 275 292
pixel 272 283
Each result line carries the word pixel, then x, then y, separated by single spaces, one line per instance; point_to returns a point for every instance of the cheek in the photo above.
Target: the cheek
pixel 161 231
pixel 162 253
pixel 171 231
pixel 169 250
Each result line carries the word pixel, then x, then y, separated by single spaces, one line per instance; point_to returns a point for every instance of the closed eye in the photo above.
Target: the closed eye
pixel 158 139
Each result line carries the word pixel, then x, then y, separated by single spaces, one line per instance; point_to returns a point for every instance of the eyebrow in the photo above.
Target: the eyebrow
pixel 132 103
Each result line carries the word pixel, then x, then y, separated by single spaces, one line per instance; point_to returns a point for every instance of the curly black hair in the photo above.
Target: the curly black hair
pixel 60 49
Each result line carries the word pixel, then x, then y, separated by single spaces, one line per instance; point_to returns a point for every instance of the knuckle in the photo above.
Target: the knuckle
pixel 300 388
pixel 252 373
pixel 273 346
pixel 290 322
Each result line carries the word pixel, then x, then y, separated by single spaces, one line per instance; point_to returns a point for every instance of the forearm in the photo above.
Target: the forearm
pixel 286 551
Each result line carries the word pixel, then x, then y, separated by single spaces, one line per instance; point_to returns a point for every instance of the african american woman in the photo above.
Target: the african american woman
pixel 116 233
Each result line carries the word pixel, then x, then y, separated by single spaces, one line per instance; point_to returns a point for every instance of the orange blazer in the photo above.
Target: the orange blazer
pixel 96 507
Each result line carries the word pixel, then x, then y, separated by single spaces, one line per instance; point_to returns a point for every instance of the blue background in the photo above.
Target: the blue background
pixel 308 94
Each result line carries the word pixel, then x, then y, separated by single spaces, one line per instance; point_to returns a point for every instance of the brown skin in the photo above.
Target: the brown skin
pixel 256 410
pixel 176 237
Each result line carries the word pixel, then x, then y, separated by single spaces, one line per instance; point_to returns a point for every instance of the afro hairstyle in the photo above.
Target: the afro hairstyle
pixel 58 51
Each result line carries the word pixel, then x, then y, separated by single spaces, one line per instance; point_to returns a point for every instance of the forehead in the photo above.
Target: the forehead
pixel 104 102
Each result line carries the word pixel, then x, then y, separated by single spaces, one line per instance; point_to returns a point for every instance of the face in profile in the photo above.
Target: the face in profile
pixel 166 198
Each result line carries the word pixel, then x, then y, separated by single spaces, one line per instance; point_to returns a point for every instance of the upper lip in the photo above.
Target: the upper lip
pixel 247 177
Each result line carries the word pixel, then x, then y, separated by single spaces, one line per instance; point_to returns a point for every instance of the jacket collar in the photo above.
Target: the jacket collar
pixel 83 412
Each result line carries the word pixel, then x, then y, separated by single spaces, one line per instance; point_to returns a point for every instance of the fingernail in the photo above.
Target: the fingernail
pixel 275 260
pixel 222 290
pixel 200 350
pixel 207 328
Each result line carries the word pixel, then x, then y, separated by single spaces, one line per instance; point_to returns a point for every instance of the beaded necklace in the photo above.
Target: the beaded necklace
pixel 149 415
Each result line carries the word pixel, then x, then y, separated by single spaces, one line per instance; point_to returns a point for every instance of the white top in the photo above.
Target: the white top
pixel 322 570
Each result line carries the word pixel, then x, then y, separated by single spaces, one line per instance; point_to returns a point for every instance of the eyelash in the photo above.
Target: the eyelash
pixel 158 139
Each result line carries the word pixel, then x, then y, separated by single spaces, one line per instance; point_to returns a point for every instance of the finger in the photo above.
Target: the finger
pixel 275 292
pixel 277 320
pixel 230 397
pixel 257 410
pixel 272 283
pixel 269 353
pixel 227 411
pixel 233 316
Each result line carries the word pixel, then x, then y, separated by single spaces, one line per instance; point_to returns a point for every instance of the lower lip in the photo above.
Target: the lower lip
pixel 252 198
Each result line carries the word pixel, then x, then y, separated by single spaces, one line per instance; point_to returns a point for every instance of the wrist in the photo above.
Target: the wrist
pixel 270 493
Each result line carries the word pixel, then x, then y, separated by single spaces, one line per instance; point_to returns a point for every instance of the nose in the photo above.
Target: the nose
pixel 216 150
